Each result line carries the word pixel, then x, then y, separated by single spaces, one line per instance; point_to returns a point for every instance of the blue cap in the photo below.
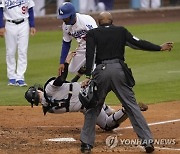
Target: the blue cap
pixel 66 10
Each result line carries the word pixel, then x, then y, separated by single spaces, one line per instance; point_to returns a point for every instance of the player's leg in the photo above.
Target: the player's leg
pixel 155 4
pixel 145 4
pixel 108 109
pixel 23 38
pixel 126 96
pixel 116 119
pixel 88 131
pixel 77 62
pixel 108 123
pixel 11 45
pixel 102 119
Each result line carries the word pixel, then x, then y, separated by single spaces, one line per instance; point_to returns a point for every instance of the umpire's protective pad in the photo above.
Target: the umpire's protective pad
pixel 88 95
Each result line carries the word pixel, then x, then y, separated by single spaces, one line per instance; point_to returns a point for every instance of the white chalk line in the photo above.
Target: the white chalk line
pixel 58 126
pixel 64 139
pixel 151 124
pixel 175 149
pixel 160 148
pixel 128 127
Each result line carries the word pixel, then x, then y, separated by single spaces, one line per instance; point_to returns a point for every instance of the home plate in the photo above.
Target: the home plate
pixel 61 139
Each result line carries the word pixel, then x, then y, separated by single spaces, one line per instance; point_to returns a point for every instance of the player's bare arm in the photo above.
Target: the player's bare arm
pixel 60 69
pixel 2 32
pixel 70 56
pixel 68 60
pixel 32 31
pixel 167 46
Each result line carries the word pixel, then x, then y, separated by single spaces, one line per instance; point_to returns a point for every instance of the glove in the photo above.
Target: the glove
pixel 82 70
pixel 142 106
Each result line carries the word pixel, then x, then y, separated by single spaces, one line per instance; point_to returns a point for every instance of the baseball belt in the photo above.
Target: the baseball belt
pixel 17 22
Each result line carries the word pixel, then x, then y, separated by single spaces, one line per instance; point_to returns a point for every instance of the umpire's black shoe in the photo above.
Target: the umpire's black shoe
pixel 149 148
pixel 85 148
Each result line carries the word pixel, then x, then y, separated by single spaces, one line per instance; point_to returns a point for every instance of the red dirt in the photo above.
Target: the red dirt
pixel 24 129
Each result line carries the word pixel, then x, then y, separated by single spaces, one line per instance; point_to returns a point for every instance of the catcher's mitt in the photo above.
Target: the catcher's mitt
pixel 142 106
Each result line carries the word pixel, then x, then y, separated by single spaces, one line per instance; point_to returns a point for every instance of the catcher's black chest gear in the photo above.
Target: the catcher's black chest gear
pixel 88 95
pixel 58 104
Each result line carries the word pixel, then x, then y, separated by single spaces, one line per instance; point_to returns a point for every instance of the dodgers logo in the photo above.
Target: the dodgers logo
pixel 61 12
pixel 78 34
pixel 13 3
pixel 90 26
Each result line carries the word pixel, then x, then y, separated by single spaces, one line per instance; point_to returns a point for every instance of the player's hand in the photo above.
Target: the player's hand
pixel 32 31
pixel 2 32
pixel 167 46
pixel 70 56
pixel 61 69
pixel 85 82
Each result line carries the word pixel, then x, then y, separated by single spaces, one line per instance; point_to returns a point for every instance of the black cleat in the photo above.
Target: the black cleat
pixel 86 148
pixel 149 148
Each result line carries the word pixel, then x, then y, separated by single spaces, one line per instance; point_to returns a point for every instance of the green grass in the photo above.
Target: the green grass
pixel 157 75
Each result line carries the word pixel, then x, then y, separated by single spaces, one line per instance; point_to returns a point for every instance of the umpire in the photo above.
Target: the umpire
pixel 106 44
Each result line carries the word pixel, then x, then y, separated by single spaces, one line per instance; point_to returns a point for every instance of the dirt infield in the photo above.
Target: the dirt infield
pixel 25 129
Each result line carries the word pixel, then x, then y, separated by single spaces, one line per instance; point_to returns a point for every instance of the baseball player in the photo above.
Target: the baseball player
pixel 60 96
pixel 75 25
pixel 19 16
pixel 154 4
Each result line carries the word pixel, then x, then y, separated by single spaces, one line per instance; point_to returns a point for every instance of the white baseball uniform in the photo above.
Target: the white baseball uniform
pixel 150 4
pixel 78 31
pixel 59 93
pixel 16 36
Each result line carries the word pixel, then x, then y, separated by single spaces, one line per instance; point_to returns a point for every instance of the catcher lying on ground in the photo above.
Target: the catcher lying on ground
pixel 60 96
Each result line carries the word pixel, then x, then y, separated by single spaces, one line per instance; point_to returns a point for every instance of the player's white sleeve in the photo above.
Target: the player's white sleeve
pixel 66 36
pixel 93 22
pixel 2 3
pixel 90 22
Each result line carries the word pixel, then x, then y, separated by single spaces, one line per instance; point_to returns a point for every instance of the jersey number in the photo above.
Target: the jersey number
pixel 24 9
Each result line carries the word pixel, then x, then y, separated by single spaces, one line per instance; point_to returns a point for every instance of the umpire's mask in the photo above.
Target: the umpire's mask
pixel 88 95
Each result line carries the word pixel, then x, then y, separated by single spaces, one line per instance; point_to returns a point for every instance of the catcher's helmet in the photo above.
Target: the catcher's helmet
pixel 67 10
pixel 32 95
pixel 88 96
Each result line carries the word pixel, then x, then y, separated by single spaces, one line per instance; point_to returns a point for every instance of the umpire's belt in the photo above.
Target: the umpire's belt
pixel 17 22
pixel 111 61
